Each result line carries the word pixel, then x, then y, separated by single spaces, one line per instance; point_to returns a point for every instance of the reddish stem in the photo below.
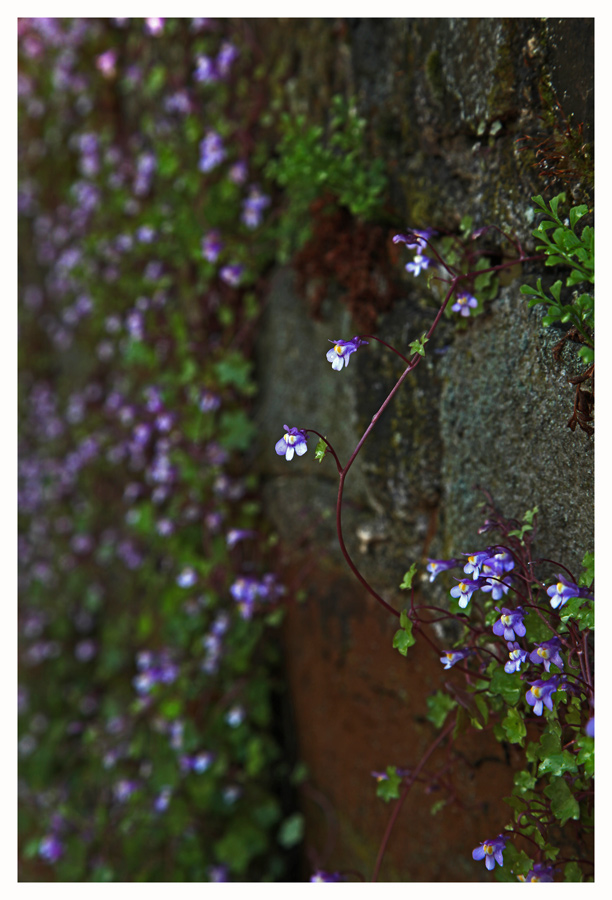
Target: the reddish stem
pixel 404 794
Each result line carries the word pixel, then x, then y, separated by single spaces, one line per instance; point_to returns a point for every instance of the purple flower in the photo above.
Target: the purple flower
pixel 187 578
pixel 511 621
pixel 435 566
pixel 547 653
pixel 539 873
pixel 235 716
pixel 154 26
pixel 464 590
pixel 590 727
pixel 414 238
pixel 124 789
pixel 50 848
pixel 464 303
pixel 475 561
pixel 295 441
pixel 237 534
pixel 563 591
pixel 205 70
pixel 231 274
pixel 212 245
pixel 217 873
pixel 105 63
pixel 238 172
pixel 453 656
pixel 162 801
pixel 418 264
pixel 320 875
pixel 339 354
pixel 226 56
pixel 212 151
pixel 517 658
pixel 253 207
pixel 540 694
pixel 491 851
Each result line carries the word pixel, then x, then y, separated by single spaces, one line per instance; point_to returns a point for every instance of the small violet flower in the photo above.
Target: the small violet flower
pixel 539 873
pixel 464 590
pixel 464 303
pixel 231 274
pixel 435 566
pixel 510 624
pixel 320 875
pixel 50 848
pixel 453 656
pixel 540 694
pixel 339 354
pixel 517 658
pixel 475 562
pixel 212 245
pixel 548 653
pixel 418 264
pixel 491 851
pixel 295 441
pixel 563 591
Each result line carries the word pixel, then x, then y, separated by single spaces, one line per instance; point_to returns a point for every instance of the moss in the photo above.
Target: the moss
pixel 435 76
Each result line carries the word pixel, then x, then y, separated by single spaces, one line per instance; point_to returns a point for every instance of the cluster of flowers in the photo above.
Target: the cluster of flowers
pixel 106 460
pixel 464 302
pixel 489 573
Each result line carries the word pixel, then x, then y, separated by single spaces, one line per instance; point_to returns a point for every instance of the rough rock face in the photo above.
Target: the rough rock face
pixel 488 406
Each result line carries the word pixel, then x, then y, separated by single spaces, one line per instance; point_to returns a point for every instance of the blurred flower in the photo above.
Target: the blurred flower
pixel 418 264
pixel 563 591
pixel 212 151
pixel 320 875
pixel 453 656
pixel 231 274
pixel 50 848
pixel 539 873
pixel 212 245
pixel 106 62
pixel 464 303
pixel 154 26
pixel 435 566
pixel 187 578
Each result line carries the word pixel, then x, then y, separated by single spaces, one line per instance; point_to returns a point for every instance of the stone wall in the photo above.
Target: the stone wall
pixel 445 100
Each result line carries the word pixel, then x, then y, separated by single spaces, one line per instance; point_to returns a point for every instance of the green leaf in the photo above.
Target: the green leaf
pixel 514 726
pixel 404 638
pixel 439 705
pixel 236 370
pixel 408 576
pixel 508 686
pixel 587 575
pixel 291 831
pixel 388 788
pixel 320 450
pixel 418 345
pixel 572 872
pixel 563 805
pixel 576 213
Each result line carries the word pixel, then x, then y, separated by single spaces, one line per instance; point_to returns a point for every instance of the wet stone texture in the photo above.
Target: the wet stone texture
pixel 488 406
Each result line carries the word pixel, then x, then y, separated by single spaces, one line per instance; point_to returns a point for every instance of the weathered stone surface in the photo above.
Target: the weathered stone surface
pixel 446 100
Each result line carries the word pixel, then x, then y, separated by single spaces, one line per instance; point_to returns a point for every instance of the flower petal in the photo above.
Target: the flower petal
pixel 301 448
pixel 281 447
